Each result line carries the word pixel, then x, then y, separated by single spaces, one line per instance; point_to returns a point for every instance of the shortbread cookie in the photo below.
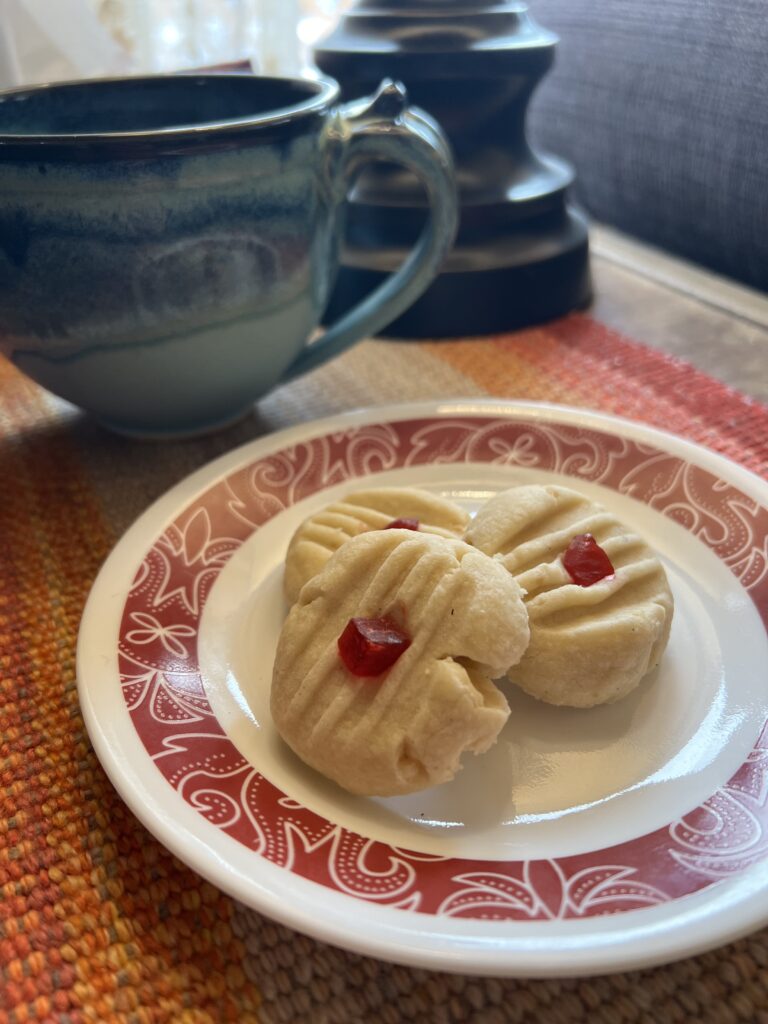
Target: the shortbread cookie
pixel 324 532
pixel 591 642
pixel 404 729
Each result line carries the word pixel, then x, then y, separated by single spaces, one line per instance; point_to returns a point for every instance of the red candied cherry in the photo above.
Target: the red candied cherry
pixel 406 523
pixel 586 562
pixel 369 647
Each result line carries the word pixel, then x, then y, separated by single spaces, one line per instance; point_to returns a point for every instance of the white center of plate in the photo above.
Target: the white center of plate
pixel 558 781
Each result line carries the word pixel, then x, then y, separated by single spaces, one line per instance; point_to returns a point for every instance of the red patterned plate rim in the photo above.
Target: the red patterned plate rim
pixel 226 502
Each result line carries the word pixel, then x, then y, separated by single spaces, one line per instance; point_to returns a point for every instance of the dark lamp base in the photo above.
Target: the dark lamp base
pixel 482 301
pixel 521 254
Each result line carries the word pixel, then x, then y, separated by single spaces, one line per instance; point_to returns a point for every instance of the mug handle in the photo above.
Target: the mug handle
pixel 384 127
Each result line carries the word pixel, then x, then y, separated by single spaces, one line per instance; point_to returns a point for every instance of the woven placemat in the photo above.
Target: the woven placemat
pixel 98 922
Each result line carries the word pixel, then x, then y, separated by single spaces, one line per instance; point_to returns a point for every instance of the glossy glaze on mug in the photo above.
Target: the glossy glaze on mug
pixel 138 267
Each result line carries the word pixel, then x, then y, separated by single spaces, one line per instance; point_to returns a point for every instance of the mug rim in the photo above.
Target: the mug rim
pixel 326 92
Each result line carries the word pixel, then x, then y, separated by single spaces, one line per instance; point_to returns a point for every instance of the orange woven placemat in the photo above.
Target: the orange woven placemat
pixel 98 922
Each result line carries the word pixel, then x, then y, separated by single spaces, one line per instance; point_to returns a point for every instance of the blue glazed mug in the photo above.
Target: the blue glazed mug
pixel 168 244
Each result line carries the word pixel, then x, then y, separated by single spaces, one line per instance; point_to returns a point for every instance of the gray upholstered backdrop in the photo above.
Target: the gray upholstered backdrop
pixel 662 105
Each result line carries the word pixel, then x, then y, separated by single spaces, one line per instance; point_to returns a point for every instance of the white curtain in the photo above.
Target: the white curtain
pixel 40 42
pixel 49 40
pixel 274 35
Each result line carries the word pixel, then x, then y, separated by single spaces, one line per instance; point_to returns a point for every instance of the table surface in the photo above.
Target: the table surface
pixel 718 326
pixel 98 922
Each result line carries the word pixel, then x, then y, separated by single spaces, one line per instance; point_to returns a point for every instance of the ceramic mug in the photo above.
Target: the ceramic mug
pixel 168 244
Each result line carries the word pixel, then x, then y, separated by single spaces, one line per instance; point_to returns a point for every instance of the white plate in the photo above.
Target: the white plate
pixel 583 842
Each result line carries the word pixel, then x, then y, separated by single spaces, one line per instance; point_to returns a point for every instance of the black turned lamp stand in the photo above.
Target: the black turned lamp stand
pixel 521 255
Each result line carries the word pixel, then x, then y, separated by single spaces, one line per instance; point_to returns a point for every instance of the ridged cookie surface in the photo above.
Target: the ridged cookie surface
pixel 324 532
pixel 405 729
pixel 589 645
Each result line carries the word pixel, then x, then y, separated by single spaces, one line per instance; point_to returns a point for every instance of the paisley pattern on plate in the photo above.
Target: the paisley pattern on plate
pixel 166 697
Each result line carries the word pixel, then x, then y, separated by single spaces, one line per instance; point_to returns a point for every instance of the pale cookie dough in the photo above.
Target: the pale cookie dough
pixel 589 645
pixel 324 532
pixel 407 728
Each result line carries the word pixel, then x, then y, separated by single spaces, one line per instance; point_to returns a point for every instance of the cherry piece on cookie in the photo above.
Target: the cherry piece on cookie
pixel 403 721
pixel 406 523
pixel 369 647
pixel 586 562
